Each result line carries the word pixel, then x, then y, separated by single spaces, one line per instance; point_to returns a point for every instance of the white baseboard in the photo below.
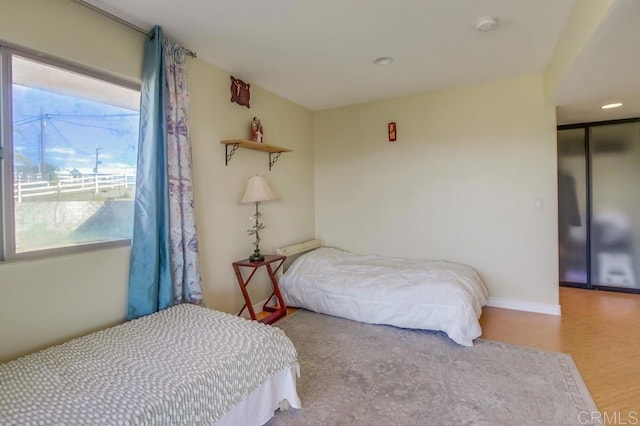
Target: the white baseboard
pixel 257 308
pixel 521 305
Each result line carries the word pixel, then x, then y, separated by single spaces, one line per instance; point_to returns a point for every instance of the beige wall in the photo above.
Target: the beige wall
pixel 459 184
pixel 222 221
pixel 50 300
pixel 74 33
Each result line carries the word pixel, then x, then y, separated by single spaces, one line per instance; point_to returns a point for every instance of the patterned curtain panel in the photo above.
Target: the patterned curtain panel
pixel 185 270
pixel 164 251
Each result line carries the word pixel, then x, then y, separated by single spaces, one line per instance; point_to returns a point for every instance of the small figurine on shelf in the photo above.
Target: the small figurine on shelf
pixel 256 130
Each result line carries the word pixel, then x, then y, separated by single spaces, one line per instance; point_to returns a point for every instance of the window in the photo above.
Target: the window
pixel 69 149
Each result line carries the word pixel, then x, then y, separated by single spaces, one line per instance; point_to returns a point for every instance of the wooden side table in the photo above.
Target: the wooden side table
pixel 278 311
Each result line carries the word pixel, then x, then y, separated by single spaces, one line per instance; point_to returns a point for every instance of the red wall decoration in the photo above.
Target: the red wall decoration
pixel 391 129
pixel 240 93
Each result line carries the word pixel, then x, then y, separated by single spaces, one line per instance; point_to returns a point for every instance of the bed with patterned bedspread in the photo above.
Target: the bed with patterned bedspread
pixel 184 365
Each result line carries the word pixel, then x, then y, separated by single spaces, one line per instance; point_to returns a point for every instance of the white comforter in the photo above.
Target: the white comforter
pixel 408 293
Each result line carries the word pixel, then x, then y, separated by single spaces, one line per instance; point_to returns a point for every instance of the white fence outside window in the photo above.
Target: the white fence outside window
pixel 67 183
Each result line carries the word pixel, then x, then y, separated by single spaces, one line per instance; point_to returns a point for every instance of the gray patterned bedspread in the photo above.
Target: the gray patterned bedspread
pixel 184 365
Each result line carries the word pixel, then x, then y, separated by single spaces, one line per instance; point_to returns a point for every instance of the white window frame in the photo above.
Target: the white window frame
pixel 7 202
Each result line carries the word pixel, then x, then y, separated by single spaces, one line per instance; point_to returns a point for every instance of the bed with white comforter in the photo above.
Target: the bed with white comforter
pixel 408 293
pixel 185 365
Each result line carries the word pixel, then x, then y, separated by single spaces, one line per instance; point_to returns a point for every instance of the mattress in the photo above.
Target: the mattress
pixel 408 293
pixel 184 365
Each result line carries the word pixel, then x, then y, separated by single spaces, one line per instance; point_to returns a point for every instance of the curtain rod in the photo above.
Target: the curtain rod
pixel 126 23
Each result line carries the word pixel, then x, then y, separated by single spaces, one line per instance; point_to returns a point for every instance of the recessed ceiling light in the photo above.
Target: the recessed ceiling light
pixel 614 105
pixel 486 24
pixel 383 60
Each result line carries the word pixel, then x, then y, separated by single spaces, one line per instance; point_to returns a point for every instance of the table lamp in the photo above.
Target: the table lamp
pixel 258 190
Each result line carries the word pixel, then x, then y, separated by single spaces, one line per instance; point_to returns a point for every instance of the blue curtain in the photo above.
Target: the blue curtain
pixel 150 282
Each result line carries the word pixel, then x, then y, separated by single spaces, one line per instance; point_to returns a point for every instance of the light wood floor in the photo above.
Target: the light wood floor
pixel 600 329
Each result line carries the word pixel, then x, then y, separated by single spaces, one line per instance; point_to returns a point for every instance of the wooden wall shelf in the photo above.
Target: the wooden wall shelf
pixel 231 145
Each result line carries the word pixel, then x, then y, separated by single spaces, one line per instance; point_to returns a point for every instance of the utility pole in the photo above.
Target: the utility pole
pixel 43 125
pixel 95 169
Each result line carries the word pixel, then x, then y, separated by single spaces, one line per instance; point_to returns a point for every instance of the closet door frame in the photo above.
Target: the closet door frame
pixel 587 134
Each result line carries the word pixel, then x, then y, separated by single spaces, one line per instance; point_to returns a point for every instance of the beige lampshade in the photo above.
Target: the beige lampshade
pixel 258 190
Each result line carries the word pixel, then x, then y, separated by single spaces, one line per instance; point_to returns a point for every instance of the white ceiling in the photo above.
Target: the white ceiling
pixel 319 53
pixel 607 71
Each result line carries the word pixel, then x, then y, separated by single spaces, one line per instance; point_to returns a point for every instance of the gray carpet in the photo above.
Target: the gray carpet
pixel 362 374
